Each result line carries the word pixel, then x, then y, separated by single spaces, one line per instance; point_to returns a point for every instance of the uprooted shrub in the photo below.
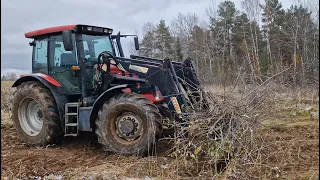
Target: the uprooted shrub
pixel 223 137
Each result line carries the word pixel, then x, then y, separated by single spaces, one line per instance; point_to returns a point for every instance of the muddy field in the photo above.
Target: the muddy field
pixel 292 153
pixel 72 158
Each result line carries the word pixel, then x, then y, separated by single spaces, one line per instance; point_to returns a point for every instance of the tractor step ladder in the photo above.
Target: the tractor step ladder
pixel 71 119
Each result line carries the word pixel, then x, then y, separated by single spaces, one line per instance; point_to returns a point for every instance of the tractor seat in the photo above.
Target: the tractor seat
pixel 65 74
pixel 67 59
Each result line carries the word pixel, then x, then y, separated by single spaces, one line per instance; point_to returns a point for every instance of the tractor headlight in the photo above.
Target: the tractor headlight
pixel 109 31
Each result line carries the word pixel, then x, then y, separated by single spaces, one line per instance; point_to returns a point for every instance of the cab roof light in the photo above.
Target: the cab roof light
pixel 108 31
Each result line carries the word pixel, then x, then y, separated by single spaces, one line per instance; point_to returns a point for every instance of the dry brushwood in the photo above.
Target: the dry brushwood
pixel 224 133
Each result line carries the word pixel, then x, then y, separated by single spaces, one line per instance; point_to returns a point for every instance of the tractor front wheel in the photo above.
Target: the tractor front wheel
pixel 128 124
pixel 35 115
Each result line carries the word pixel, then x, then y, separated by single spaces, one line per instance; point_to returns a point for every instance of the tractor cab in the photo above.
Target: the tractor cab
pixel 60 52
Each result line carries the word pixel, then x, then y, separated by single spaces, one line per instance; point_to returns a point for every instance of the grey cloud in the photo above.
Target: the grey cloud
pixel 16 61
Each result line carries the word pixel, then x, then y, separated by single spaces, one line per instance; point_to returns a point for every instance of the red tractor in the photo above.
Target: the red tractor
pixel 81 81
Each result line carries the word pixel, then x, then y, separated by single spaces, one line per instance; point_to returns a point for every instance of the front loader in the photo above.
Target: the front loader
pixel 81 81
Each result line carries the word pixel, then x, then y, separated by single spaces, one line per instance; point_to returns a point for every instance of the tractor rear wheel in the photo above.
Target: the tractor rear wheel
pixel 128 124
pixel 35 115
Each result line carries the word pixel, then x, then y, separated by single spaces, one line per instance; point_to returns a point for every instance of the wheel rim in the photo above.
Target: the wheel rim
pixel 30 116
pixel 128 128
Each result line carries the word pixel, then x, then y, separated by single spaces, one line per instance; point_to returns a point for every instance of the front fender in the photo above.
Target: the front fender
pixel 105 96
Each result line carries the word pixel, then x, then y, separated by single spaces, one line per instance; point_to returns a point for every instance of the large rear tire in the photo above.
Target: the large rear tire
pixel 128 124
pixel 35 114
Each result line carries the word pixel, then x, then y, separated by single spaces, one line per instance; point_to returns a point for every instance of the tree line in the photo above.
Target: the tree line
pixel 246 46
pixel 10 76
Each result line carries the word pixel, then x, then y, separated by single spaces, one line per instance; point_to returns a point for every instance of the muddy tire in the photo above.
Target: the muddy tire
pixel 35 114
pixel 128 124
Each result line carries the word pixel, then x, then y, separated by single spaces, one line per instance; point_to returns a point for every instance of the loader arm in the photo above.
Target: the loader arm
pixel 173 79
pixel 187 77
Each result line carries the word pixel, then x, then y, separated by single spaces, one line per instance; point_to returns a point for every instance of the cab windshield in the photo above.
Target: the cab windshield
pixel 94 45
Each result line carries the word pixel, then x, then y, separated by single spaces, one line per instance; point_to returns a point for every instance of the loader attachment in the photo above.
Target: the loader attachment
pixel 187 82
pixel 177 81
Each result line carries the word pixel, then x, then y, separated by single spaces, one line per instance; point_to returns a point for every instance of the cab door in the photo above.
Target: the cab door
pixel 60 65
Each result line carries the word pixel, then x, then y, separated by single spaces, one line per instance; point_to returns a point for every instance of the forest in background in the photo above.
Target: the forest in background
pixel 10 76
pixel 248 46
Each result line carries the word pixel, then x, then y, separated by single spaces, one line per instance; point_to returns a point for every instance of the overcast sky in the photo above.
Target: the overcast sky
pixel 127 16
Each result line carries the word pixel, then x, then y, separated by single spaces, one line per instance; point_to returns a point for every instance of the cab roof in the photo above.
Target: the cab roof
pixel 48 30
pixel 56 29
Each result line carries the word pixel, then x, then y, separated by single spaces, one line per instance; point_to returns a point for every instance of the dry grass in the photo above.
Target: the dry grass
pixel 6 92
pixel 282 143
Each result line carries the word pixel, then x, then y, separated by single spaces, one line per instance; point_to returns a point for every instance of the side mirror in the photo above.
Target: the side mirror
pixel 32 43
pixel 67 40
pixel 136 43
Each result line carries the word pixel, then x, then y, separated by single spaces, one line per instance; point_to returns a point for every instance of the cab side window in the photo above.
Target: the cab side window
pixel 40 55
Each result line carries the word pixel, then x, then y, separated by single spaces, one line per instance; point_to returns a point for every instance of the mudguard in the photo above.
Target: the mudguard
pixel 109 93
pixel 54 87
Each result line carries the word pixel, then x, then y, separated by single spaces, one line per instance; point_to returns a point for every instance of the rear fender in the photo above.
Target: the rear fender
pixel 105 96
pixel 45 79
pixel 54 88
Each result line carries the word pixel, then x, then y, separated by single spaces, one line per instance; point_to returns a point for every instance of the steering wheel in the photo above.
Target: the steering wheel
pixel 105 55
pixel 102 58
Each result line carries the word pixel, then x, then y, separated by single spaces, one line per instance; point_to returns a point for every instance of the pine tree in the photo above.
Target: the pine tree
pixel 164 41
pixel 244 47
pixel 221 28
pixel 147 44
pixel 272 18
pixel 298 29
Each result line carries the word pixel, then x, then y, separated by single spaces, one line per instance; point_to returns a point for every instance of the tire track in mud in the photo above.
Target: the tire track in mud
pixel 20 160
